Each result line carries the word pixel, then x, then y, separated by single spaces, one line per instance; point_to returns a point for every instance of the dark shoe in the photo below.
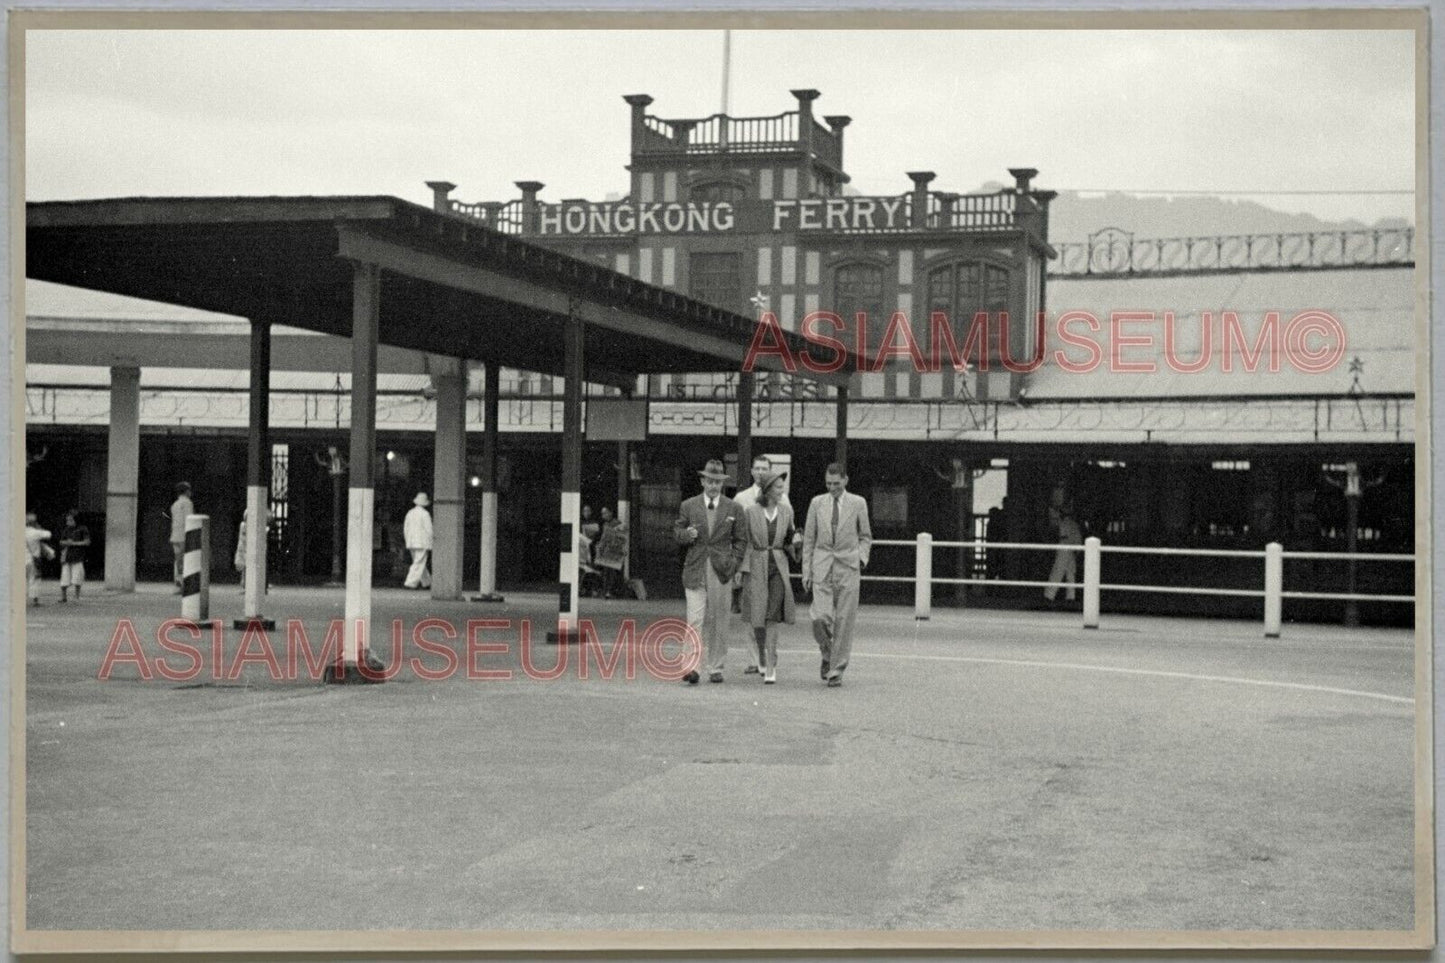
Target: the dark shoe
pixel 823 671
pixel 751 670
pixel 691 678
pixel 715 677
pixel 834 682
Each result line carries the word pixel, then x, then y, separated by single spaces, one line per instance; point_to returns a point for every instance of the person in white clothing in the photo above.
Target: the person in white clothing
pixel 417 532
pixel 35 550
pixel 747 498
pixel 1064 574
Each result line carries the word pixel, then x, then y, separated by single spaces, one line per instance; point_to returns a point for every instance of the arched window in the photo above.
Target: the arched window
pixel 858 289
pixel 963 289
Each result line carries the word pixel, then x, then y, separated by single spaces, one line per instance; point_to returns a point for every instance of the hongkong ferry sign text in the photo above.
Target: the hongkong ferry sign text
pixel 701 217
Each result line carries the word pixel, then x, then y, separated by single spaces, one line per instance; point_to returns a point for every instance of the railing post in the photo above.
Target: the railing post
pixel 1273 588
pixel 923 578
pixel 918 213
pixel 440 195
pixel 1091 582
pixel 531 213
pixel 638 103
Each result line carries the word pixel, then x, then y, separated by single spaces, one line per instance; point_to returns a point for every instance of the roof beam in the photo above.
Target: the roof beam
pixel 437 269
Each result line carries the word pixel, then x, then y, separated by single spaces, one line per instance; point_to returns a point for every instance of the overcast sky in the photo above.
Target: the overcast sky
pixel 124 113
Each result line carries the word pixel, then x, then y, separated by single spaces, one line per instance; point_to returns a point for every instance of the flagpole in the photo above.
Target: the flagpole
pixel 726 67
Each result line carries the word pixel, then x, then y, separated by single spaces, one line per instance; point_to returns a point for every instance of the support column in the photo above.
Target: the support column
pixel 491 410
pixel 624 508
pixel 448 483
pixel 747 385
pixel 840 446
pixel 258 480
pixel 571 520
pixel 122 479
pixel 361 498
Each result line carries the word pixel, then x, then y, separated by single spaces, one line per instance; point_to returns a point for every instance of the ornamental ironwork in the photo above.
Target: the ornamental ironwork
pixel 1346 418
pixel 1113 252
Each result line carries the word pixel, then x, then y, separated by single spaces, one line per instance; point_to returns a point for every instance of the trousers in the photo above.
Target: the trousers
pixel 834 610
pixel 707 612
pixel 418 575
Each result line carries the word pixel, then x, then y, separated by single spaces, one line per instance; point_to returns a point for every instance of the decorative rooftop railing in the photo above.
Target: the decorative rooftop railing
pixel 1112 252
pixel 848 215
pixel 498 215
pixel 720 134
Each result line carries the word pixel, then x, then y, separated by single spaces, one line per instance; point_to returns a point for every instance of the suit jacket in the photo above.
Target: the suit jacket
pixel 851 546
pixel 722 547
pixel 747 498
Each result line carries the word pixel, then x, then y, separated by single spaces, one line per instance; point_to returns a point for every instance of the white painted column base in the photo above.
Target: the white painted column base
pixel 487 584
pixel 257 510
pixel 357 613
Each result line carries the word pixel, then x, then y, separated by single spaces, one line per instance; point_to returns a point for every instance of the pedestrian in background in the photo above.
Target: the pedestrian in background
pixel 180 508
pixel 1064 574
pixel 35 550
pixel 74 540
pixel 417 531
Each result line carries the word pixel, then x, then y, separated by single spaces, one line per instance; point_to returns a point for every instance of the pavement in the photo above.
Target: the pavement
pixel 977 771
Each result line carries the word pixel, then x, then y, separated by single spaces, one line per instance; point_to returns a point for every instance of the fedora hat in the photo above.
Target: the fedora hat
pixel 714 469
pixel 421 500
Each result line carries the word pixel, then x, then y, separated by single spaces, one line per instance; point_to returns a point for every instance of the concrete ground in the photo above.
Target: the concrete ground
pixel 1000 771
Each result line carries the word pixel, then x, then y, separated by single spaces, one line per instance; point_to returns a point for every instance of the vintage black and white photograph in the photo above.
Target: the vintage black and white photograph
pixel 721 482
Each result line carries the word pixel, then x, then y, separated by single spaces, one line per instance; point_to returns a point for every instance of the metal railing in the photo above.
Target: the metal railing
pixel 1112 252
pixel 720 133
pixel 1272 591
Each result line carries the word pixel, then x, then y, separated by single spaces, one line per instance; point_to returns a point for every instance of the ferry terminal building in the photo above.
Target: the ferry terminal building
pixel 756 215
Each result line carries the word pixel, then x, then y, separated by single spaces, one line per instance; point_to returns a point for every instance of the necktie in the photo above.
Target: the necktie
pixel 711 504
pixel 835 517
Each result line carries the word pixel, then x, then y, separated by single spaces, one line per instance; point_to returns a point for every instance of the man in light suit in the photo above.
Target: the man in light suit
pixel 836 541
pixel 711 526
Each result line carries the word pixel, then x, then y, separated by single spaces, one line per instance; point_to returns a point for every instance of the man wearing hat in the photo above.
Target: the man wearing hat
pixel 417 531
pixel 711 526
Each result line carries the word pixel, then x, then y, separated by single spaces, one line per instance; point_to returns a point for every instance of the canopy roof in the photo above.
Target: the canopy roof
pixel 449 286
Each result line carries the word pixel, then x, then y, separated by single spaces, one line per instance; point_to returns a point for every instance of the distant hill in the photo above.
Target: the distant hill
pixel 1073 217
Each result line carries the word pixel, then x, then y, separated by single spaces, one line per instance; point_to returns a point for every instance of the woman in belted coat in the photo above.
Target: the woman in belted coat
pixel 770 594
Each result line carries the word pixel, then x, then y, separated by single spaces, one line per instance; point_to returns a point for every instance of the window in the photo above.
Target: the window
pixel 716 191
pixel 716 278
pixel 962 290
pixel 858 288
pixel 278 502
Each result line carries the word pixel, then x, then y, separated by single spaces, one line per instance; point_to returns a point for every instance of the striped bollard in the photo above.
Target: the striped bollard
pixel 196 569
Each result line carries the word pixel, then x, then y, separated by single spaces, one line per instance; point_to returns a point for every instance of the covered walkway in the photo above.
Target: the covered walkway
pixel 383 271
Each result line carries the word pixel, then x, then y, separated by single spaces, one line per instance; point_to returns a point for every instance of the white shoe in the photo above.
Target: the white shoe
pixel 770 676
